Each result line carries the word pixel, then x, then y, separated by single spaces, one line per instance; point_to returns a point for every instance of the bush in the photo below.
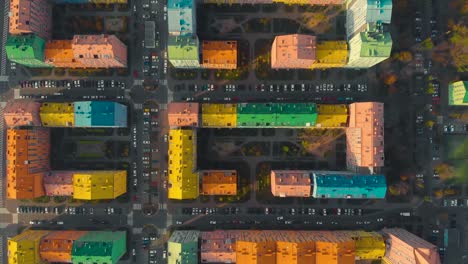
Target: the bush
pixel 42 199
pixel 59 199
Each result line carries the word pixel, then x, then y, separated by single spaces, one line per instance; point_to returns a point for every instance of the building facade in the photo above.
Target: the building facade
pixel 330 54
pixel 98 185
pixel 19 113
pixel 28 153
pixel 359 13
pixel 44 246
pixel 183 114
pixel 182 51
pixel 335 115
pixel 291 183
pixel 406 248
pixel 100 247
pixel 99 51
pixel 58 183
pixel 344 185
pixel 27 50
pixel 218 182
pixel 458 93
pixel 296 51
pixel 182 247
pixel 57 114
pixel 57 246
pixel 219 115
pixel 367 49
pixel 278 247
pixel 365 136
pixel 100 114
pixel 183 180
pixel 219 54
pixel 31 16
pixel 24 248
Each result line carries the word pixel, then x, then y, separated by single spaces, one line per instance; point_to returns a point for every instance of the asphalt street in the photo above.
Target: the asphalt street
pixel 168 215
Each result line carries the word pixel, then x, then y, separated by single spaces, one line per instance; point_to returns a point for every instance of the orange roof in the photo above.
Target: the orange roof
pixel 60 54
pixel 182 114
pixel 290 183
pixel 365 147
pixel 58 183
pixel 219 54
pixel 294 51
pixel 22 113
pixel 27 160
pixel 219 182
pixel 57 246
pixel 293 247
pixel 255 250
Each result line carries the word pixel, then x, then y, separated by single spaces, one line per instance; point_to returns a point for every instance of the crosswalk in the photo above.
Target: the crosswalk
pixel 3 61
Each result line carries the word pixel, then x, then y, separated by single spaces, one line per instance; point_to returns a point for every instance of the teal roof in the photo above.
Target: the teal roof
pixel 376 44
pixel 100 114
pixel 26 49
pixel 99 247
pixel 183 48
pixel 379 11
pixel 348 185
pixel 178 4
pixel 276 114
pixel 181 18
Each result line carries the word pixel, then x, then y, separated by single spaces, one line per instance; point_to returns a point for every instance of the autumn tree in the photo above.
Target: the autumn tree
pixel 403 56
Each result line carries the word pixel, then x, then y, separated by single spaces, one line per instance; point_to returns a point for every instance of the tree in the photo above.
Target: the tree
pixel 427 44
pixel 404 56
pixel 459 42
pixel 445 171
pixel 390 79
pixel 430 123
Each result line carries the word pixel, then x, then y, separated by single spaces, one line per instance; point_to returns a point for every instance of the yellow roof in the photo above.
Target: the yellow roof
pixel 95 185
pixel 183 181
pixel 24 248
pixel 329 54
pixel 369 245
pixel 57 114
pixel 219 115
pixel 332 115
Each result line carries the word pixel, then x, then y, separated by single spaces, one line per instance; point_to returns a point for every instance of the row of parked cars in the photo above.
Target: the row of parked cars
pixel 38 210
pixel 100 84
pixel 211 211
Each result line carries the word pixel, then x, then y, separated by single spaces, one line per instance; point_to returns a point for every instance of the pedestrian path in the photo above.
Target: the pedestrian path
pixel 2 158
pixel 2 248
pixel 130 218
pixel 3 61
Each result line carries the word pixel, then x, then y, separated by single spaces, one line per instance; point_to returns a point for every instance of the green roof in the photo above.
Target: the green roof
pixel 376 44
pixel 99 247
pixel 276 115
pixel 458 93
pixel 297 115
pixel 27 50
pixel 183 51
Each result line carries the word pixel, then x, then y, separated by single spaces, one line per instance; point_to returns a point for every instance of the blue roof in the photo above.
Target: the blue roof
pixel 349 185
pixel 100 114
